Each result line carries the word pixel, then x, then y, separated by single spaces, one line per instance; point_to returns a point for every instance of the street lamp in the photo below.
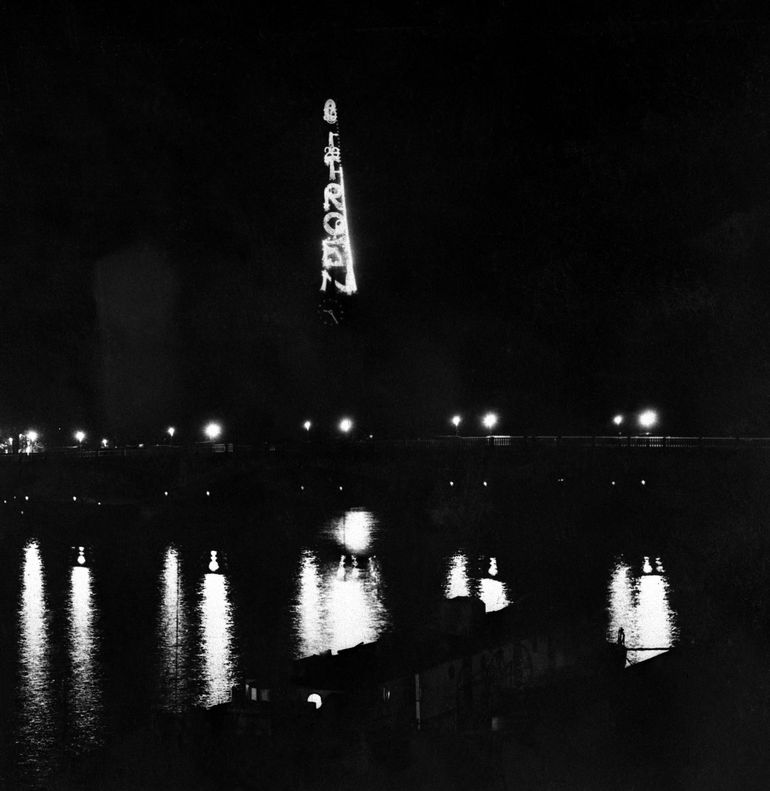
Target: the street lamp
pixel 80 436
pixel 346 424
pixel 213 430
pixel 648 419
pixel 171 431
pixel 489 421
pixel 306 425
pixel 456 420
pixel 617 420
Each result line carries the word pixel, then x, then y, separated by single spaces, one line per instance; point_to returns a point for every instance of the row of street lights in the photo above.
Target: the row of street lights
pixel 489 421
pixel 647 419
pixel 28 440
pixel 345 425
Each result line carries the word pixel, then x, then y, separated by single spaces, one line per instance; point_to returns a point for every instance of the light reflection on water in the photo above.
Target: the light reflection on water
pixel 638 602
pixel 338 603
pixel 35 734
pixel 84 692
pixel 215 651
pixel 173 636
pixel 493 592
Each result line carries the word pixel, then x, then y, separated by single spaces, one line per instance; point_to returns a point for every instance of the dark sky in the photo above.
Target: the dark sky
pixel 555 217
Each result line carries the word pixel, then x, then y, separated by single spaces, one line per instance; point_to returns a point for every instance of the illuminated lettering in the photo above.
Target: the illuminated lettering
pixel 330 112
pixel 332 255
pixel 334 223
pixel 332 157
pixel 333 197
pixel 336 253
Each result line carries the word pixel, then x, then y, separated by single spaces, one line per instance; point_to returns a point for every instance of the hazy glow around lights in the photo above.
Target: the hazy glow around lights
pixel 213 430
pixel 648 418
pixel 80 435
pixel 617 420
pixel 490 420
pixel 346 424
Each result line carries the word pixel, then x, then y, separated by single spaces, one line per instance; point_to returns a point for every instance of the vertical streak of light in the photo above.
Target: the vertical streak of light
pixel 640 606
pixel 337 606
pixel 308 615
pixel 35 734
pixel 457 577
pixel 216 647
pixel 85 696
pixel 354 613
pixel 173 634
pixel 494 594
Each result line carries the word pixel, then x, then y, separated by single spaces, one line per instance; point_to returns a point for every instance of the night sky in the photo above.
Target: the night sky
pixel 554 217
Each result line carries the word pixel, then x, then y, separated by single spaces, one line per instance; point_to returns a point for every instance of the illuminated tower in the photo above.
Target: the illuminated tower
pixel 337 274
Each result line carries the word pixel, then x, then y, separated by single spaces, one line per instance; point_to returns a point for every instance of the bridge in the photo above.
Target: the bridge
pixel 433 468
pixel 448 442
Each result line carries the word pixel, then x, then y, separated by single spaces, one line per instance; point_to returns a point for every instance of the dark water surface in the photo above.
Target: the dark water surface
pixel 96 636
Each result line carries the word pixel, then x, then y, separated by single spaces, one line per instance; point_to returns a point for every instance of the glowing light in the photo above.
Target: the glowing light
pixel 171 431
pixel 648 418
pixel 336 607
pixel 105 443
pixel 346 424
pixel 493 592
pixel 330 112
pixel 617 420
pixel 306 425
pixel 84 693
pixel 354 530
pixel 212 430
pixel 644 483
pixel 81 556
pixel 336 251
pixel 640 606
pixel 32 436
pixel 457 577
pixel 173 633
pixel 213 563
pixel 456 420
pixel 35 735
pixel 315 699
pixel 216 646
pixel 80 436
pixel 646 567
pixel 490 420
pixel 494 595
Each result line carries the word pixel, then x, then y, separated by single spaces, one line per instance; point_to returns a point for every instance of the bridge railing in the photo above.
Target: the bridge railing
pixel 564 441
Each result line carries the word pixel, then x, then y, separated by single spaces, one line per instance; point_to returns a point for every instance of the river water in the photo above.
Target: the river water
pixel 95 636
